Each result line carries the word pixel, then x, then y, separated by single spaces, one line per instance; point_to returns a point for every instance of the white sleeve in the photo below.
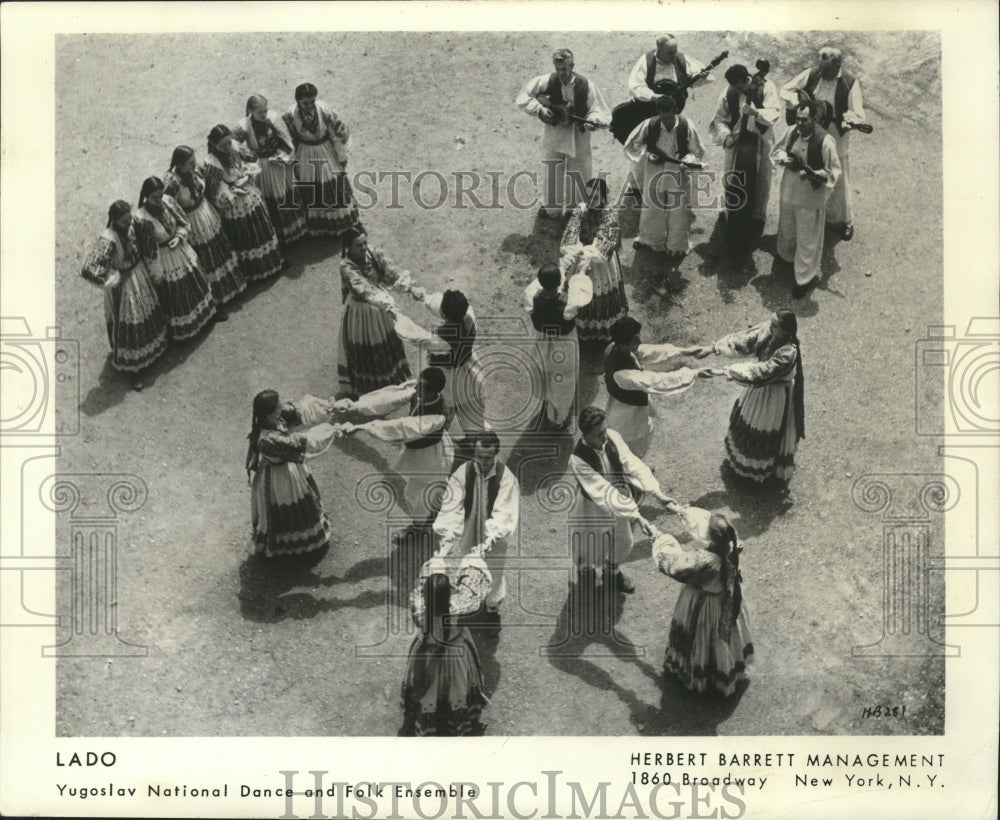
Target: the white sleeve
pixel 675 381
pixel 407 428
pixel 526 99
pixel 635 145
pixel 855 105
pixel 450 521
pixel 506 509
pixel 831 161
pixel 409 330
pixel 770 111
pixel 598 110
pixel 610 499
pixel 789 91
pixel 636 468
pixel 637 81
pixel 654 354
pixel 385 400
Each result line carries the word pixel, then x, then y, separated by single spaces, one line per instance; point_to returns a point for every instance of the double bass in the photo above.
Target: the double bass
pixel 740 190
pixel 626 116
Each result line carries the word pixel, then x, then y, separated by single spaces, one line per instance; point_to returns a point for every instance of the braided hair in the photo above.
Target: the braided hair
pixel 264 404
pixel 723 541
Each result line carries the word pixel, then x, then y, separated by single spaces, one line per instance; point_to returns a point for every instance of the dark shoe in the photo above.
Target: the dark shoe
pixel 622 582
pixel 586 578
pixel 847 232
pixel 641 246
pixel 493 625
pixel 798 291
pixel 220 316
pixel 137 383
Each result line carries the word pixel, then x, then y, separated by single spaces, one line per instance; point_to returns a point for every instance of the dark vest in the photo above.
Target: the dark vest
pixel 680 66
pixel 492 488
pixel 617 476
pixel 581 90
pixel 622 361
pixel 653 134
pixel 547 315
pixel 433 408
pixel 844 84
pixel 460 337
pixel 814 151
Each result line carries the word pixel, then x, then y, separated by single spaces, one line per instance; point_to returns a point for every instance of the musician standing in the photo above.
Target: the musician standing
pixel 804 195
pixel 761 106
pixel 566 154
pixel 829 81
pixel 660 145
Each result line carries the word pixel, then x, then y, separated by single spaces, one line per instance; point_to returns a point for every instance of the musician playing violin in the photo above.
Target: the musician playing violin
pixel 833 84
pixel 812 168
pixel 746 113
pixel 571 107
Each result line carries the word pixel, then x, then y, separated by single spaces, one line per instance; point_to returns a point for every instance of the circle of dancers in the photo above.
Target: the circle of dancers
pixel 201 233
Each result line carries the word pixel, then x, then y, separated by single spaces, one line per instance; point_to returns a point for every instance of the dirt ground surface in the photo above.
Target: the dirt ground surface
pixel 241 647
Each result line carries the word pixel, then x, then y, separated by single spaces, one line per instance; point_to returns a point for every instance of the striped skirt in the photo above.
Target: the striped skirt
pixel 287 216
pixel 593 321
pixel 248 226
pixel 695 652
pixel 286 510
pixel 442 692
pixel 215 253
pixel 137 325
pixel 324 191
pixel 184 294
pixel 762 439
pixel 371 354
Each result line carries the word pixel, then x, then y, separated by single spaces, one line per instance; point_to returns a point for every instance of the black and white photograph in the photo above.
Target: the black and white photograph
pixel 615 388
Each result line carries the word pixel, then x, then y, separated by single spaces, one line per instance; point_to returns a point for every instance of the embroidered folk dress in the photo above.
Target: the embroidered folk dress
pixel 271 143
pixel 442 692
pixel 231 187
pixel 700 650
pixel 137 325
pixel 184 294
pixel 371 354
pixel 321 151
pixel 763 434
pixel 286 512
pixel 427 452
pixel 216 256
pixel 664 223
pixel 602 514
pixel 602 230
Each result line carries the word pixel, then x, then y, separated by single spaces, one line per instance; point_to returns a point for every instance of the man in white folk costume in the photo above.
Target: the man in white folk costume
pixel 571 107
pixel 809 157
pixel 479 514
pixel 610 478
pixel 831 83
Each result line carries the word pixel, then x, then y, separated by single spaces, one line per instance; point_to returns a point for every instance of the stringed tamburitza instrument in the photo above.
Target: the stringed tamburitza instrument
pixel 740 190
pixel 562 113
pixel 825 116
pixel 626 116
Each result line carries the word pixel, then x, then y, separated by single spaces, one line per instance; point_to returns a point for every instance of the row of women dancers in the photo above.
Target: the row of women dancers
pixel 200 234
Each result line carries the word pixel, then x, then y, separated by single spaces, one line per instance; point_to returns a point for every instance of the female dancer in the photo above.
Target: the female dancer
pixel 597 225
pixel 184 293
pixel 137 326
pixel 768 418
pixel 186 184
pixel 442 691
pixel 710 643
pixel 230 185
pixel 321 138
pixel 266 135
pixel 287 514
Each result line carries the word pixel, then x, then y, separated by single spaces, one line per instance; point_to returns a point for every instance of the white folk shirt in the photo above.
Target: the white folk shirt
pixel 563 139
pixel 451 525
pixel 765 116
pixel 797 191
pixel 662 71
pixel 599 498
pixel 826 90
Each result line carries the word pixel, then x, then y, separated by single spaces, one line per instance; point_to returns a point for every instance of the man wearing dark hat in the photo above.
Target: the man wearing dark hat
pixel 834 85
pixel 762 108
pixel 664 224
pixel 566 156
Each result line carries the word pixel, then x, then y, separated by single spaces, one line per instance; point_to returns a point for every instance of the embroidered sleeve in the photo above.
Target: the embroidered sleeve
pixel 97 264
pixel 697 567
pixel 182 227
pixel 392 273
pixel 239 132
pixel 282 446
pixel 171 184
pixel 571 236
pixel 289 119
pixel 609 498
pixel 506 510
pixel 779 365
pixel 281 129
pixel 216 187
pixel 145 237
pixel 609 234
pixel 360 288
pixel 338 131
pixel 743 341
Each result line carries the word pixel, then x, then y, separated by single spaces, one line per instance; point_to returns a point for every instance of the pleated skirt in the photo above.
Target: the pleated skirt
pixel 371 354
pixel 695 652
pixel 286 510
pixel 184 294
pixel 761 440
pixel 216 256
pixel 248 226
pixel 593 321
pixel 287 215
pixel 324 191
pixel 137 325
